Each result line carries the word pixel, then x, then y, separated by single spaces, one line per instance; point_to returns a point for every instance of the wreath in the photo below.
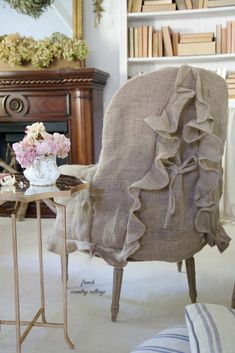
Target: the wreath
pixel 31 8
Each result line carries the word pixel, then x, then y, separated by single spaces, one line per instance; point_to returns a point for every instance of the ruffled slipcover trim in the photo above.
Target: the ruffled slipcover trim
pixel 210 150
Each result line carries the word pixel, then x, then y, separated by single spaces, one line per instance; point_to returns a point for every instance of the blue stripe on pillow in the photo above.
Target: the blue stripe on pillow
pixel 192 331
pixel 172 335
pixel 202 314
pixel 213 329
pixel 157 349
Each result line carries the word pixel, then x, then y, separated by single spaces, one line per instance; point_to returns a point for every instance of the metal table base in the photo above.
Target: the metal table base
pixel 41 312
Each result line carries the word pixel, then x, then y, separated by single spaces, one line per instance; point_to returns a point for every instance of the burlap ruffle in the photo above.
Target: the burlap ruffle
pixel 210 151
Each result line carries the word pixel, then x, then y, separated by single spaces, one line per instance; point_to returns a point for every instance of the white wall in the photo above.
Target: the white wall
pixel 103 41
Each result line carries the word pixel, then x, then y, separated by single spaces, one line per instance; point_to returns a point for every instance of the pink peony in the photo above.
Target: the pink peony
pixel 31 148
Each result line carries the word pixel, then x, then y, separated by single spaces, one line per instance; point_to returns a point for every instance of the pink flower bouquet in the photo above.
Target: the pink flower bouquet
pixel 38 144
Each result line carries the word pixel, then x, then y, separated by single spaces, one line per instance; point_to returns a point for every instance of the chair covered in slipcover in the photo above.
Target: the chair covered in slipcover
pixel 155 191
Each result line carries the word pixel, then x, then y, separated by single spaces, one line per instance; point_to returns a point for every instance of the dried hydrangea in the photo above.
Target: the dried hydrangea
pixel 42 55
pixel 18 50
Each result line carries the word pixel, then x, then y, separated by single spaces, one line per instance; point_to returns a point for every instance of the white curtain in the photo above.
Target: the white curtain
pixel 228 199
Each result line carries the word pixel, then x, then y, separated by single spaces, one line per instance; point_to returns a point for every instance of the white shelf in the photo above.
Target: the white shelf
pixel 180 59
pixel 182 21
pixel 209 12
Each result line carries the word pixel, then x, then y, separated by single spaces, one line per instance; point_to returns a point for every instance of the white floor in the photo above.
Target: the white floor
pixel 153 296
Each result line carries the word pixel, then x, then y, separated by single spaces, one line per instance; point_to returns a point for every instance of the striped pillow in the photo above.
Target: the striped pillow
pixel 211 328
pixel 173 340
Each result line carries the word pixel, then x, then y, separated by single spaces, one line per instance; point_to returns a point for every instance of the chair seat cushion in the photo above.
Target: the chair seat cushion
pixel 172 340
pixel 211 328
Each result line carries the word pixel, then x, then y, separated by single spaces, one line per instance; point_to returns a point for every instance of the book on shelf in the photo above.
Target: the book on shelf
pixel 150 41
pixel 224 40
pixel 207 35
pixel 140 41
pixel 136 49
pixel 231 92
pixel 136 6
pixel 131 41
pixel 194 4
pixel 188 4
pixel 200 4
pixel 230 80
pixel 218 39
pixel 233 36
pixel 157 2
pixel 160 44
pixel 229 36
pixel 220 3
pixel 155 44
pixel 160 7
pixel 195 39
pixel 175 42
pixel 167 42
pixel 129 5
pixel 180 4
pixel 145 41
pixel 203 48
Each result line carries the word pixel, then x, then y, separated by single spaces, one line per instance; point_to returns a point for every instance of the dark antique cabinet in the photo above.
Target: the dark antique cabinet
pixel 67 100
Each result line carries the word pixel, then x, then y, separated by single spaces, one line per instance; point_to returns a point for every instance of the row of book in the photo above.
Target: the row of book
pixel 225 38
pixel 145 41
pixel 230 80
pixel 173 5
pixel 231 84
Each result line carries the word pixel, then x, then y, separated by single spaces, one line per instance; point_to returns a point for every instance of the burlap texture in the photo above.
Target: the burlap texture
pixel 156 188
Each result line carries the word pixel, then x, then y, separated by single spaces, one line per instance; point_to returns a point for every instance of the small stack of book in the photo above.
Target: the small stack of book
pixel 196 44
pixel 225 38
pixel 158 5
pixel 150 5
pixel 231 84
pixel 172 5
pixel 191 4
pixel 220 3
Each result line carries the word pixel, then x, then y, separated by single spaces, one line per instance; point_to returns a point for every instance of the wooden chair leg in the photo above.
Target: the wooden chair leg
pixel 190 269
pixel 233 298
pixel 67 266
pixel 179 265
pixel 117 284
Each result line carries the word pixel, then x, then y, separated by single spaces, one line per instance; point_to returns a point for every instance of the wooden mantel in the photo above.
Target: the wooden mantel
pixel 73 96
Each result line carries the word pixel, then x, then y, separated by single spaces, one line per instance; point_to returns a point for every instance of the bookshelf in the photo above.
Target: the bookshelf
pixel 183 21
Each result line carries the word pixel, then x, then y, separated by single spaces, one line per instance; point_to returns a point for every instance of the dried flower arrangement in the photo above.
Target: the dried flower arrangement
pixel 97 9
pixel 17 50
pixel 29 7
pixel 39 144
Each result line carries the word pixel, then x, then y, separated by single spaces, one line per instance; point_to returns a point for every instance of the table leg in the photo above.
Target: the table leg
pixel 64 267
pixel 16 283
pixel 40 255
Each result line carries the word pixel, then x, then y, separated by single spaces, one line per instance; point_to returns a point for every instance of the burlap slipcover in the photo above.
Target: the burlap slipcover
pixel 156 188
